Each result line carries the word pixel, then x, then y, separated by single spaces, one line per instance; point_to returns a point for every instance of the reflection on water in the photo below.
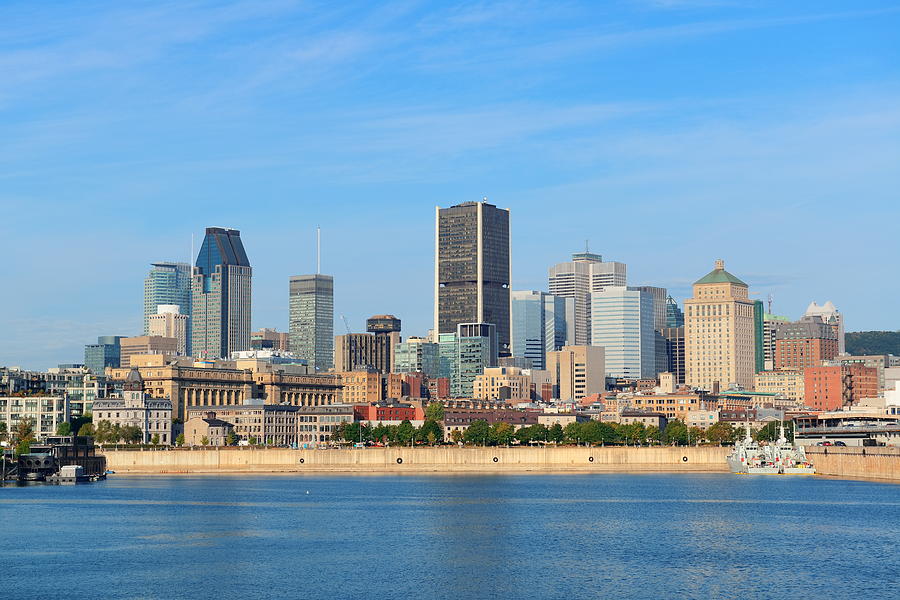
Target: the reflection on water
pixel 565 536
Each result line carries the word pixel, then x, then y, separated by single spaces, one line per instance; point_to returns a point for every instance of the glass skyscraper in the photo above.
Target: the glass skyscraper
pixel 167 283
pixel 106 352
pixel 221 288
pixel 622 322
pixel 311 308
pixel 541 323
pixel 472 269
pixel 416 355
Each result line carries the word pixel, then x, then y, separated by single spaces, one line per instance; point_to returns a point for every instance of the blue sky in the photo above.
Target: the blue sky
pixel 669 133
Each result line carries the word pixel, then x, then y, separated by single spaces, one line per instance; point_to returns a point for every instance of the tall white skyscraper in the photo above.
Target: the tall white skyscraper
pixel 311 306
pixel 221 288
pixel 622 322
pixel 585 274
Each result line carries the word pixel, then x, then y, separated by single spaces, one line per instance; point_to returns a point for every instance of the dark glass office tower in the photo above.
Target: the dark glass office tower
pixel 472 269
pixel 387 334
pixel 221 286
pixel 311 319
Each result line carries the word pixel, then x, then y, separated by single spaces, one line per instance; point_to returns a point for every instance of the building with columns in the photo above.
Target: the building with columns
pixel 719 339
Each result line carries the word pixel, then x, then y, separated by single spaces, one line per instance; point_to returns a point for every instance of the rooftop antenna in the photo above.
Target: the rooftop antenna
pixel 770 300
pixel 191 257
pixel 318 250
pixel 586 248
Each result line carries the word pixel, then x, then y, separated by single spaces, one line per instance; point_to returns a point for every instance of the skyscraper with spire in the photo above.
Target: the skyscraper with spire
pixel 221 288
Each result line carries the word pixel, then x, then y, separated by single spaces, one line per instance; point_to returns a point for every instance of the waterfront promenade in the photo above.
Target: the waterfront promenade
pixel 445 459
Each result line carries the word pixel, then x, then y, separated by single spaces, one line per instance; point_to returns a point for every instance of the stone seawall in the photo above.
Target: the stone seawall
pixel 856 462
pixel 420 460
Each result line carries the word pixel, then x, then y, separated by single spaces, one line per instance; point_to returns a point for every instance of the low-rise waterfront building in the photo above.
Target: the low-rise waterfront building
pixel 316 424
pixel 788 384
pixel 153 416
pixel 502 383
pixel 207 431
pixel 255 422
pixel 44 412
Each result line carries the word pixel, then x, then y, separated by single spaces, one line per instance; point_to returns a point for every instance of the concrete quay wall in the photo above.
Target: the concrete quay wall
pixel 420 460
pixel 856 462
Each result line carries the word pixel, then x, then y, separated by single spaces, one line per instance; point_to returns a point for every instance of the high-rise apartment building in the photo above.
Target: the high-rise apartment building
pixel 354 352
pixel 577 371
pixel 804 343
pixel 472 269
pixel 386 329
pixel 416 355
pixel 167 283
pixel 719 332
pixel 169 322
pixel 539 325
pixel 837 386
pixel 770 322
pixel 832 316
pixel 622 321
pixel 577 279
pixel 221 296
pixel 105 353
pixel 311 306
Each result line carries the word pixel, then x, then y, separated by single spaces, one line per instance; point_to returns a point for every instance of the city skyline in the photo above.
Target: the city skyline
pixel 656 169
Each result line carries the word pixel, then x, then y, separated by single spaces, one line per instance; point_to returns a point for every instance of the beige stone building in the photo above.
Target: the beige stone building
pixel 360 387
pixel 784 384
pixel 206 426
pixel 168 322
pixel 577 371
pixel 146 344
pixel 267 424
pixel 153 416
pixel 674 406
pixel 489 385
pixel 219 383
pixel 719 335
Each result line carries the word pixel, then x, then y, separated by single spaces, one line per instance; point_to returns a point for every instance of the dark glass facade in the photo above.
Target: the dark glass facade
pixel 473 269
pixel 221 287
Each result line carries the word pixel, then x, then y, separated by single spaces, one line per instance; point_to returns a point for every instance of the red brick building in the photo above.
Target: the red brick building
pixel 833 387
pixel 388 411
pixel 797 354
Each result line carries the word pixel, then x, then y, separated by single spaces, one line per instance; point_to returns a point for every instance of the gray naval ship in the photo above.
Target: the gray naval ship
pixel 780 457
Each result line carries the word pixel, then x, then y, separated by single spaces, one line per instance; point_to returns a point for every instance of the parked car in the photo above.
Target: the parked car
pixel 825 443
pixel 839 443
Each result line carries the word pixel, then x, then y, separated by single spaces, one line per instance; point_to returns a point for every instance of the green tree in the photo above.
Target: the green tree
pixel 675 433
pixel 572 433
pixel 652 434
pixel 23 436
pixel 252 441
pixel 155 439
pixel 79 422
pixel 770 432
pixel 524 434
pixel 406 433
pixel 720 433
pixel 431 432
pixel 434 411
pixel 132 434
pixel 179 441
pixel 502 434
pixel 204 441
pixel 696 435
pixel 231 439
pixel 457 436
pixel 64 428
pixel 87 429
pixel 555 433
pixel 478 432
pixel 3 431
pixel 381 433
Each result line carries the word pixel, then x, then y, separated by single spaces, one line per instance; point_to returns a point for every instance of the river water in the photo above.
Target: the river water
pixel 459 537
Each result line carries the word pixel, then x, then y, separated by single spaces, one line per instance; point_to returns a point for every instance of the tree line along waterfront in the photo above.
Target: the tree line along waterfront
pixel 431 433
